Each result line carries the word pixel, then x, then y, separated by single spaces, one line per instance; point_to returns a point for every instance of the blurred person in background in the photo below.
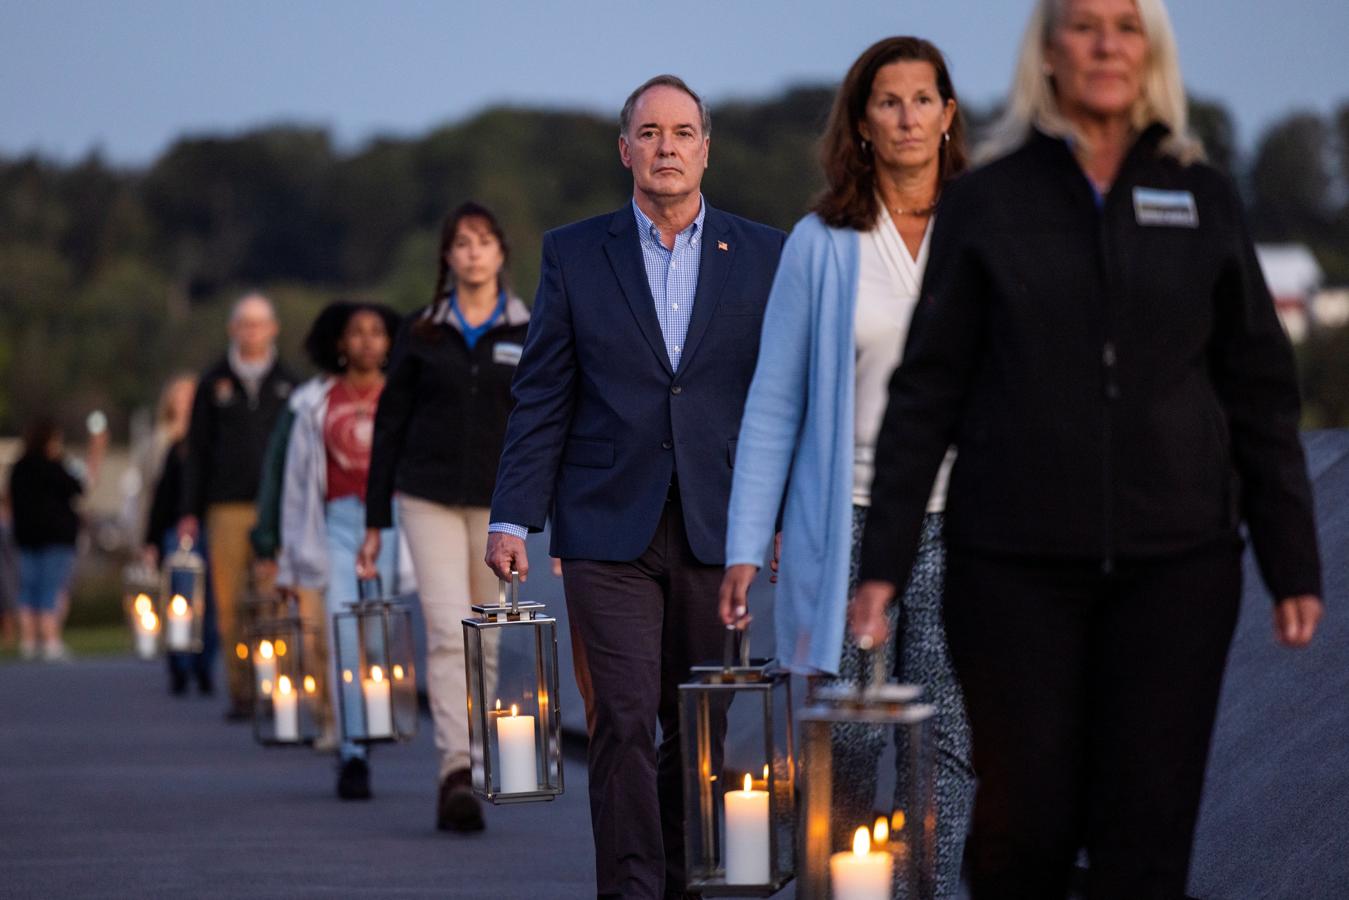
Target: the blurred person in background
pixel 43 489
pixel 237 403
pixel 438 436
pixel 1097 339
pixel 846 289
pixel 160 534
pixel 9 576
pixel 324 489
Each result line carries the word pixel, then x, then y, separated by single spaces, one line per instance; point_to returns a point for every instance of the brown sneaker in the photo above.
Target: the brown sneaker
pixel 457 808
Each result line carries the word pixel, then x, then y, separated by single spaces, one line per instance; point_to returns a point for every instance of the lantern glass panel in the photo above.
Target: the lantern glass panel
pixel 515 724
pixel 288 706
pixel 183 599
pixel 739 779
pixel 909 832
pixel 377 684
pixel 139 592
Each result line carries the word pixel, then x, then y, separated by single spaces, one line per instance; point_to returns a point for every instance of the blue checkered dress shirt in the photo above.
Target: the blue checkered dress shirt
pixel 672 275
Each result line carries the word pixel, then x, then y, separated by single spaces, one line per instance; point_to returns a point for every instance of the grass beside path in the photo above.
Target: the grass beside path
pixel 92 640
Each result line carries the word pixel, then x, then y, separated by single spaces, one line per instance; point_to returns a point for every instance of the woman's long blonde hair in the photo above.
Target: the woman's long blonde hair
pixel 1032 103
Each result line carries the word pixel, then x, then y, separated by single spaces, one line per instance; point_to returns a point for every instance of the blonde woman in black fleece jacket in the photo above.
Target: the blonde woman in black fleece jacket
pixel 1095 336
pixel 438 436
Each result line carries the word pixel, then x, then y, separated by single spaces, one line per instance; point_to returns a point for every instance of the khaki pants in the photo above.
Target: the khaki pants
pixel 231 555
pixel 448 544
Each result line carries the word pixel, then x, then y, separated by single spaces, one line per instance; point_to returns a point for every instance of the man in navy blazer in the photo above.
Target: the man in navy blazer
pixel 641 349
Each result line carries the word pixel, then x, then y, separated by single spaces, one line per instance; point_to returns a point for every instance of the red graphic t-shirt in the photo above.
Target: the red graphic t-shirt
pixel 348 430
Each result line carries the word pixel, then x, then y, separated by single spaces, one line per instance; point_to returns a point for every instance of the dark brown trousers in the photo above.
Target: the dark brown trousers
pixel 637 627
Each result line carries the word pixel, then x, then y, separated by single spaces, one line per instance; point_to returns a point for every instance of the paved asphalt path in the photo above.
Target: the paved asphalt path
pixel 110 788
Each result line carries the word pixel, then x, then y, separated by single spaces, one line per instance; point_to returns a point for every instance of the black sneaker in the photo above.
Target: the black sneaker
pixel 457 808
pixel 353 780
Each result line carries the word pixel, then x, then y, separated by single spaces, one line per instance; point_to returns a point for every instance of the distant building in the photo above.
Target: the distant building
pixel 1294 278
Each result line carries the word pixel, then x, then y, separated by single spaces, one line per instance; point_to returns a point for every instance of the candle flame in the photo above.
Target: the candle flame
pixel 346 675
pixel 515 710
pixel 142 604
pixel 765 771
pixel 149 621
pixel 749 784
pixel 265 650
pixel 241 651
pixel 376 674
pixel 897 821
pixel 310 685
pixel 880 832
pixel 861 842
pixel 280 648
pixel 178 605
pixel 398 673
pixel 266 685
pixel 498 704
pixel 283 685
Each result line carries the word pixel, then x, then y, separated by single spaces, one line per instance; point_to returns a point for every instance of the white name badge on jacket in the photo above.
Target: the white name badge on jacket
pixel 507 354
pixel 1176 209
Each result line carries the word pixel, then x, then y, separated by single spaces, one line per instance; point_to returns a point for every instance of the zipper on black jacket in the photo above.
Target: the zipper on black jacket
pixel 1110 393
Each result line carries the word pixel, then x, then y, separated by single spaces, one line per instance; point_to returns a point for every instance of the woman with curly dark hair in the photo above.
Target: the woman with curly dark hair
pixel 323 497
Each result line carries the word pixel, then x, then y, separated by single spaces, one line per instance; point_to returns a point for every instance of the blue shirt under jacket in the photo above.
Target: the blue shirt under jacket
pixel 798 430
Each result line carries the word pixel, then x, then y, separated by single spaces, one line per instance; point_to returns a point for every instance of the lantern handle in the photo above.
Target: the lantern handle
pixel 735 648
pixel 515 592
pixel 369 588
pixel 875 675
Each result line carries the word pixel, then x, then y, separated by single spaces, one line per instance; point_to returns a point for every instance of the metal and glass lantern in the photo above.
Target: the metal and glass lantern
pixel 514 721
pixel 140 585
pixel 377 686
pixel 183 595
pixel 735 723
pixel 288 703
pixel 894 853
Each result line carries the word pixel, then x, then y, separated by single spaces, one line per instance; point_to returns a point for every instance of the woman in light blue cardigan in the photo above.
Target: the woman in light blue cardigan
pixel 833 331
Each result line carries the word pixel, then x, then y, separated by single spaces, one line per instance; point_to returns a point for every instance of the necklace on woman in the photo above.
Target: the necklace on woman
pixel 922 211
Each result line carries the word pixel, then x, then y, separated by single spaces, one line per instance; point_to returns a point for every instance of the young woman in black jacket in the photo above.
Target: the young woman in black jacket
pixel 438 435
pixel 1096 338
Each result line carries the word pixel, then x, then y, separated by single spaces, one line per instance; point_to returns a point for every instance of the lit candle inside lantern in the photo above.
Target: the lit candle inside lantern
pixel 286 710
pixel 147 630
pixel 264 665
pixel 378 704
pixel 861 874
pixel 515 744
pixel 179 628
pixel 747 835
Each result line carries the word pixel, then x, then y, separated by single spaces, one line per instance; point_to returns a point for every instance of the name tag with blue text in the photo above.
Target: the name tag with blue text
pixel 1175 209
pixel 507 354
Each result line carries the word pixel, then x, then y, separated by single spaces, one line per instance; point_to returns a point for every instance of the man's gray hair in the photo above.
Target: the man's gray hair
pixel 250 297
pixel 674 81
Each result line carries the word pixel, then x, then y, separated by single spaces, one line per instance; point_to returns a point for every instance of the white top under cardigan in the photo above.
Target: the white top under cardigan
pixel 888 283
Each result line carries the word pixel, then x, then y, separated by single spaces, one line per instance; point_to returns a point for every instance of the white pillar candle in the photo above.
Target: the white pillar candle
pixel 178 633
pixel 378 704
pixel 286 710
pixel 264 667
pixel 515 746
pixel 147 632
pixel 747 859
pixel 860 873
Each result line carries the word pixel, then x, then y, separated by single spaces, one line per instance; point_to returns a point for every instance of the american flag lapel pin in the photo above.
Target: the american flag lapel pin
pixel 722 245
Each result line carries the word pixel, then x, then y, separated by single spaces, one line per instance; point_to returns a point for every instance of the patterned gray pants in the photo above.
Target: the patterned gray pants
pixel 858 748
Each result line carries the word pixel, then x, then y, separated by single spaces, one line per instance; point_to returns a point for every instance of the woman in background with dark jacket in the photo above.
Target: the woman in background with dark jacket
pixel 438 436
pixel 1096 338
